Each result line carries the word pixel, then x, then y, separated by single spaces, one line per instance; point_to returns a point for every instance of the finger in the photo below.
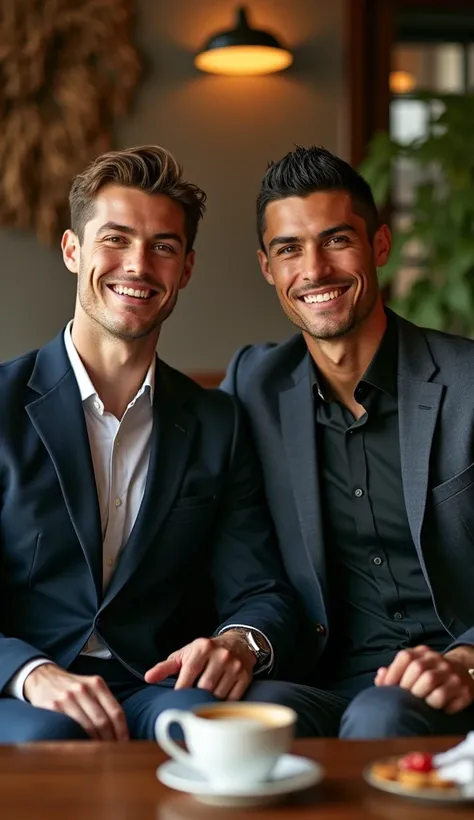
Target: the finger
pixel 443 695
pixel 232 675
pixel 87 699
pixel 239 689
pixel 418 667
pixel 163 670
pixel 380 676
pixel 191 669
pixel 219 663
pixel 100 720
pixel 114 711
pixel 69 706
pixel 458 703
pixel 222 688
pixel 400 663
pixel 428 682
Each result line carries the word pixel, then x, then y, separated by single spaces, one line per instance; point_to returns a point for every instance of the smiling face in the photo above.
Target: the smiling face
pixel 319 258
pixel 131 263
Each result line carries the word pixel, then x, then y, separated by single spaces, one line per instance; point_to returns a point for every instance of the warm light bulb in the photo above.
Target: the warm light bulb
pixel 243 60
pixel 401 82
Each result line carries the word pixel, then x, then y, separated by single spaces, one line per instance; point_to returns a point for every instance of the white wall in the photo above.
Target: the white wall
pixel 224 130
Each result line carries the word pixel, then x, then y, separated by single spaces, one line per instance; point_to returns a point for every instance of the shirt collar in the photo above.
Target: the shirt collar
pixel 381 372
pixel 86 388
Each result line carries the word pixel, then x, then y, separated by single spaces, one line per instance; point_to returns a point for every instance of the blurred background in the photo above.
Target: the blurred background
pixel 386 84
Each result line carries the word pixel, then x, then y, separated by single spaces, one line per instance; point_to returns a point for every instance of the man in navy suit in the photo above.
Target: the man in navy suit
pixel 364 427
pixel 138 568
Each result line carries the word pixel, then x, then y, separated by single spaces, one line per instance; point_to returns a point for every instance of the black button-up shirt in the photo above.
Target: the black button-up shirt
pixel 378 597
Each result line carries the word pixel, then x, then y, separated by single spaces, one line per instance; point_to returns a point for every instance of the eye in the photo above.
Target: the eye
pixel 337 241
pixel 114 240
pixel 288 249
pixel 164 248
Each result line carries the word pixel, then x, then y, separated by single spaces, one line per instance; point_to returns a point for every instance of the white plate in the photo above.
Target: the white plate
pixel 440 796
pixel 291 773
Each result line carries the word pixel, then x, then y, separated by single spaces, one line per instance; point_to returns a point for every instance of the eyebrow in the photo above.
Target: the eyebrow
pixel 288 240
pixel 114 226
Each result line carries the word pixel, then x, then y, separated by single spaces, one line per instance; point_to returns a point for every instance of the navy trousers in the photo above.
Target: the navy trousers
pixel 355 710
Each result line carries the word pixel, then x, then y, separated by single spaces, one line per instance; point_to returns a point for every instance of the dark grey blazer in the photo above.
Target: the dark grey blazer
pixel 201 553
pixel 436 423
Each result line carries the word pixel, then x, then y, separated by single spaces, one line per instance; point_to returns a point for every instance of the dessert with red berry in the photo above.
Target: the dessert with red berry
pixel 414 771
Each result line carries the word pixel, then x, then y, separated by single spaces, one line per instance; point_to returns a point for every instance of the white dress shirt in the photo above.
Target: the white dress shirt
pixel 120 453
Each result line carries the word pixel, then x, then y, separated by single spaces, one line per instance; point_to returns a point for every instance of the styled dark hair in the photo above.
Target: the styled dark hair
pixel 305 171
pixel 151 169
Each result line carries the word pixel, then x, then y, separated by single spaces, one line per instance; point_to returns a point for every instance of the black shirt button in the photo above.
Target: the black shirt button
pixel 398 616
pixel 358 493
pixel 377 561
pixel 320 629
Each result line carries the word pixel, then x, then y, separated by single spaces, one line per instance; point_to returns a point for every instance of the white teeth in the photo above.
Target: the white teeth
pixel 138 294
pixel 322 297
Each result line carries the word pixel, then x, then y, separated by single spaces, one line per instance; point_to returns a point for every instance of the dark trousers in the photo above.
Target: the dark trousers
pixel 353 710
pixel 142 703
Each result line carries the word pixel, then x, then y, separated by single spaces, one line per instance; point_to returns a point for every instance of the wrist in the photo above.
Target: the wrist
pixel 35 677
pixel 464 655
pixel 233 639
pixel 256 644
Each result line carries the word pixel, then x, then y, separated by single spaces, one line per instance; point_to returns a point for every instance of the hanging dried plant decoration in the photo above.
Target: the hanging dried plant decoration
pixel 67 71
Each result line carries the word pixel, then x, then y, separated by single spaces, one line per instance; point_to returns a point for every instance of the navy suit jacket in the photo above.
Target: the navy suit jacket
pixel 436 430
pixel 201 553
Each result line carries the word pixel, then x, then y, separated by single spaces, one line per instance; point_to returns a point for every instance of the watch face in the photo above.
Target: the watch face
pixel 258 645
pixel 259 642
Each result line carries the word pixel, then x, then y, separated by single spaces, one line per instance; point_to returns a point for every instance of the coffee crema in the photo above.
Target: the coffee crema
pixel 262 714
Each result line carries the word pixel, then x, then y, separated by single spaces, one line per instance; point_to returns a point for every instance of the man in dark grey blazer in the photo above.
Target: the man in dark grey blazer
pixel 138 564
pixel 364 424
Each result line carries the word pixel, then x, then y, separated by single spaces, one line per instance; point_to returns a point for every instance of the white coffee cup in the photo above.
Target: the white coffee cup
pixel 234 745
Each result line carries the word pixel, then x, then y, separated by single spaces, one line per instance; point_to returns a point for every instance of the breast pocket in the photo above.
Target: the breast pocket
pixel 453 510
pixel 454 486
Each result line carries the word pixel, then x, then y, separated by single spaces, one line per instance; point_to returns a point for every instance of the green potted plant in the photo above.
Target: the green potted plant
pixel 439 223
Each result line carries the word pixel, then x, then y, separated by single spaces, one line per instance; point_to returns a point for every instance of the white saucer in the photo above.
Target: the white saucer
pixel 290 774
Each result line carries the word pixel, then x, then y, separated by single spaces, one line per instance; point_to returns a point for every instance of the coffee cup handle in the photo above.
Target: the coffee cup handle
pixel 162 733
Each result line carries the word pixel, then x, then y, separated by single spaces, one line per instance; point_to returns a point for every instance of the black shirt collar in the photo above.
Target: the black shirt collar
pixel 381 372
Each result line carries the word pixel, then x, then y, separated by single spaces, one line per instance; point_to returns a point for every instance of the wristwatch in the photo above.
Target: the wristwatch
pixel 258 645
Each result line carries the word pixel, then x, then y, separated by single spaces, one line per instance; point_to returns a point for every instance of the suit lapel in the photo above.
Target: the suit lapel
pixel 299 437
pixel 172 434
pixel 419 403
pixel 58 418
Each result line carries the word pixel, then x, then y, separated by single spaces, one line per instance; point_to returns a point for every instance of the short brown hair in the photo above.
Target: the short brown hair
pixel 150 168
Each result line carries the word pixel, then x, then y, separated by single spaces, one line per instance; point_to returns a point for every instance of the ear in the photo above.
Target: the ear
pixel 382 245
pixel 71 249
pixel 265 266
pixel 187 269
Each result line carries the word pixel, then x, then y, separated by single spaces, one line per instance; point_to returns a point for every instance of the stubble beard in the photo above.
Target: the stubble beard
pixel 106 324
pixel 332 330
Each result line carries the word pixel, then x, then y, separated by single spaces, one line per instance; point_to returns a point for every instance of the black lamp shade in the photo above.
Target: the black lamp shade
pixel 244 50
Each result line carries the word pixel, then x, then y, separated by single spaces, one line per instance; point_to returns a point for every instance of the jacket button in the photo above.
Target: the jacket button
pixel 320 629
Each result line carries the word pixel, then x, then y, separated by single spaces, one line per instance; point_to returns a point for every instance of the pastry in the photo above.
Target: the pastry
pixel 414 771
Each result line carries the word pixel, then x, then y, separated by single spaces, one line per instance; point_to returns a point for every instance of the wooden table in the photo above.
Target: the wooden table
pixel 106 781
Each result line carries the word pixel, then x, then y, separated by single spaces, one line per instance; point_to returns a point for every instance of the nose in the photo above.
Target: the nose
pixel 136 260
pixel 316 264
